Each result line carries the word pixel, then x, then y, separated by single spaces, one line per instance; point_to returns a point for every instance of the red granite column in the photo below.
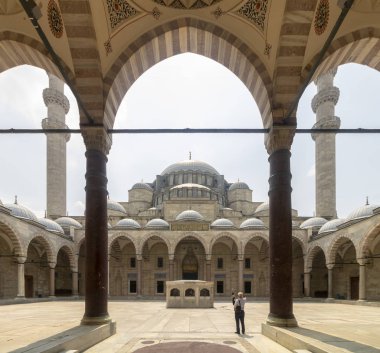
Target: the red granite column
pixel 280 240
pixel 96 297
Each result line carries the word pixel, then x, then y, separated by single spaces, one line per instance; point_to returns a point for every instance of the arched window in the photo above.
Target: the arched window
pixel 174 292
pixel 205 292
pixel 189 292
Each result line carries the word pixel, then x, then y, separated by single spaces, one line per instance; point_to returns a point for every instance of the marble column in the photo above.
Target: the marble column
pixel 362 280
pixel 330 269
pixel 208 270
pixel 306 281
pixel 323 105
pixel 75 291
pixel 278 144
pixel 171 269
pixel 21 278
pixel 96 229
pixel 139 277
pixel 240 274
pixel 57 107
pixel 52 281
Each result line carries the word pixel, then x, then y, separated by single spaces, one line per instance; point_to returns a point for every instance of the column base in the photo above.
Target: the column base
pixel 97 320
pixel 20 297
pixel 329 300
pixel 281 322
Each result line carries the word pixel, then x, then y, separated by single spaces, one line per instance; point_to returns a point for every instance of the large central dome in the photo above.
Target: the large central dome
pixel 190 165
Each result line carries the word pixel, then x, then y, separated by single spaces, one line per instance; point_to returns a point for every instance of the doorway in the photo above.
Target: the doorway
pixel 29 286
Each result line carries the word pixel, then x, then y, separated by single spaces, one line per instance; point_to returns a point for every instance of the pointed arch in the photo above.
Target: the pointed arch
pixel 70 253
pixel 148 236
pixel 197 236
pixel 228 235
pixel 334 246
pixel 45 241
pixel 366 241
pixel 13 236
pixel 181 36
pixel 118 235
pixel 312 252
pixel 254 235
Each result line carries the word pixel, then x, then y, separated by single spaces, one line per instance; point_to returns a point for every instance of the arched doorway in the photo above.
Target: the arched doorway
pixel 190 259
pixel 63 275
pixel 319 275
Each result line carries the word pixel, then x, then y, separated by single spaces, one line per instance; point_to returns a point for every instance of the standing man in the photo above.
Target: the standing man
pixel 239 304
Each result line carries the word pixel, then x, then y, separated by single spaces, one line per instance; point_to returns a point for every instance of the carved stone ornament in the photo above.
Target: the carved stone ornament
pixel 97 138
pixel 321 17
pixel 50 123
pixel 55 19
pixel 326 123
pixel 279 138
pixel 187 4
pixel 52 96
pixel 330 94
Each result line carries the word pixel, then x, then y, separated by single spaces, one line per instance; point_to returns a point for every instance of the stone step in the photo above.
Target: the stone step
pixel 262 344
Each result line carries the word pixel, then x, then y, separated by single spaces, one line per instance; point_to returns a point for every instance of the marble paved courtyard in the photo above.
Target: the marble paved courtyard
pixel 142 324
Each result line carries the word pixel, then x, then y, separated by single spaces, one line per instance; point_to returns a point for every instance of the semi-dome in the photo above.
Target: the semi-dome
pixel 190 186
pixel 128 223
pixel 21 212
pixel 222 223
pixel 67 222
pixel 142 186
pixel 189 215
pixel 238 185
pixel 315 222
pixel 362 212
pixel 115 206
pixel 157 223
pixel 190 165
pixel 263 207
pixel 331 226
pixel 252 223
pixel 51 226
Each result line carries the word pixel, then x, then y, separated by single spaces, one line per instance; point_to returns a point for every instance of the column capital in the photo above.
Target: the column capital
pixel 279 137
pixel 21 259
pixel 362 262
pixel 52 265
pixel 97 138
pixel 330 266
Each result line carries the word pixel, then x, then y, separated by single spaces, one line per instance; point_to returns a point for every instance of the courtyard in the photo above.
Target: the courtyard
pixel 141 323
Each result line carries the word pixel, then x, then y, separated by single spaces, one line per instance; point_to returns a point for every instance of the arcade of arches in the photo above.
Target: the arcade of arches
pixel 100 49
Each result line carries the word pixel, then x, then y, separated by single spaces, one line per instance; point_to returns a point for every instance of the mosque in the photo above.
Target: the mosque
pixel 188 223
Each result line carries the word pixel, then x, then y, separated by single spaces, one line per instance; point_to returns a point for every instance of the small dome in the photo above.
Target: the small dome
pixel 252 223
pixel 67 222
pixel 222 223
pixel 190 186
pixel 50 225
pixel 115 206
pixel 238 185
pixel 128 223
pixel 21 212
pixel 263 207
pixel 189 215
pixel 315 222
pixel 362 212
pixel 190 165
pixel 142 186
pixel 331 226
pixel 157 223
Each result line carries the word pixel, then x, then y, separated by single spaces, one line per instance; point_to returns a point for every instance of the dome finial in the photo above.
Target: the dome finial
pixel 367 203
pixel 190 156
pixel 15 199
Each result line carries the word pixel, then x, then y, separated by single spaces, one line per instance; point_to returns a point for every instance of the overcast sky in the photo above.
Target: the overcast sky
pixel 190 91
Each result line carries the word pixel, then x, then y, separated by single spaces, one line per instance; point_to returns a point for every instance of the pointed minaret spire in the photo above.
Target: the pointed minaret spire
pixel 367 203
pixel 15 199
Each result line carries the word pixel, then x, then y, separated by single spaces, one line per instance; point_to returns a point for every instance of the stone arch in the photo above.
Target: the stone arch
pixel 146 237
pixel 197 236
pixel 70 253
pixel 311 254
pixel 227 235
pixel 357 47
pixel 366 241
pixel 18 49
pixel 116 236
pixel 181 36
pixel 51 256
pixel 253 236
pixel 334 246
pixel 300 243
pixel 13 236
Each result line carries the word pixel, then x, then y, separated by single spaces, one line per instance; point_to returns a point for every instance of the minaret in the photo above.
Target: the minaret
pixel 323 104
pixel 57 107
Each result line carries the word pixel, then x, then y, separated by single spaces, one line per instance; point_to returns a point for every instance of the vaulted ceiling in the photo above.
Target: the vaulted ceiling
pixel 105 45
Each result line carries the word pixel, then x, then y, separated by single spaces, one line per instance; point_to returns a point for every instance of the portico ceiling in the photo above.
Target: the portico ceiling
pixel 269 44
